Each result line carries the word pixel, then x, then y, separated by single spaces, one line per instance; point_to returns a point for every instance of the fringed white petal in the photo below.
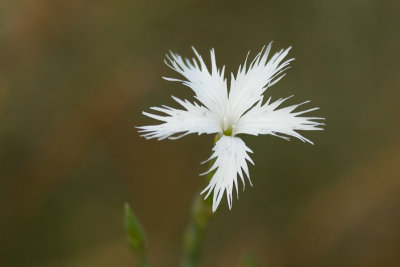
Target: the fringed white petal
pixel 194 119
pixel 249 84
pixel 231 155
pixel 267 119
pixel 209 88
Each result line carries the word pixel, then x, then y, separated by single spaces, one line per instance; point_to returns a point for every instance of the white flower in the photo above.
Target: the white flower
pixel 228 113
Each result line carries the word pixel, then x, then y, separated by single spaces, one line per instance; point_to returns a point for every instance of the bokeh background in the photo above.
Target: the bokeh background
pixel 75 76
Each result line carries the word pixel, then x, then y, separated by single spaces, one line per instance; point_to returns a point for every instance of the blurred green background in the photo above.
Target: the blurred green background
pixel 75 76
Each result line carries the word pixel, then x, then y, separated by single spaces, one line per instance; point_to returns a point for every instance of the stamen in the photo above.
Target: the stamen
pixel 226 127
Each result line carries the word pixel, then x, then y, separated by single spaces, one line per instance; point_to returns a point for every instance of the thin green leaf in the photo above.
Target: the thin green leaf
pixel 136 235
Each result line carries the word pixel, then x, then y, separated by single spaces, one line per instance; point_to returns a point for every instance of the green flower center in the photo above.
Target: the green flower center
pixel 228 131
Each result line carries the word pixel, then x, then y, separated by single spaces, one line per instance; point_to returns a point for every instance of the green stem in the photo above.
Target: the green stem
pixel 194 235
pixel 201 213
pixel 142 261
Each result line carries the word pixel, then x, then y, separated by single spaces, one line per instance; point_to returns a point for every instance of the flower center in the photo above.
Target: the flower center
pixel 227 128
pixel 228 131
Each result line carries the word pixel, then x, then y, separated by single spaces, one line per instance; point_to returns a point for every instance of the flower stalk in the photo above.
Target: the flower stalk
pixel 201 213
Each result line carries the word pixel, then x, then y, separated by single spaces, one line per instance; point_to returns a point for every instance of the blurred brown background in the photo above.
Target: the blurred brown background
pixel 75 76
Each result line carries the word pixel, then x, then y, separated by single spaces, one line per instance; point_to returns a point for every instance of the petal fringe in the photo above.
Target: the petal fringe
pixel 231 155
